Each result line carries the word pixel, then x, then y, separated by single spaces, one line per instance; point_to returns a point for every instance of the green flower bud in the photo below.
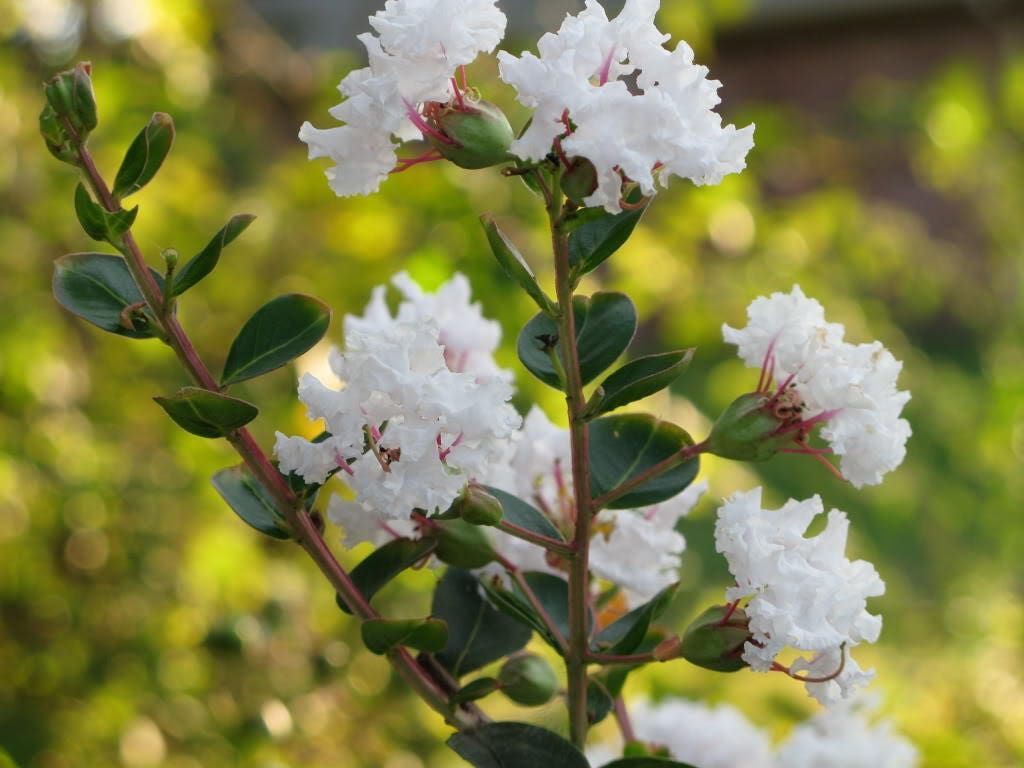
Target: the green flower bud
pixel 477 507
pixel 71 97
pixel 461 544
pixel 481 134
pixel 56 136
pixel 715 639
pixel 748 430
pixel 528 680
pixel 579 180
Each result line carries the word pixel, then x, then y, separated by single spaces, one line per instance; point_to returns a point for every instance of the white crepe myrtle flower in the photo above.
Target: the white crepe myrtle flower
pixel 638 550
pixel 469 339
pixel 663 126
pixel 694 733
pixel 849 389
pixel 844 736
pixel 803 592
pixel 406 432
pixel 419 47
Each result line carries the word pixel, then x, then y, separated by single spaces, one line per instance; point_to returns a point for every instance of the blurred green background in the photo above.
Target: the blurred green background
pixel 141 624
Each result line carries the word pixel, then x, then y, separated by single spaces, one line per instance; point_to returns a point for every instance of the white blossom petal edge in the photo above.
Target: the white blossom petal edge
pixel 858 382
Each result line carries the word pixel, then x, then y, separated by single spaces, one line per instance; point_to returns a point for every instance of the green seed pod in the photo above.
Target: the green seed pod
pixel 481 134
pixel 748 430
pixel 477 507
pixel 579 180
pixel 715 639
pixel 528 680
pixel 461 544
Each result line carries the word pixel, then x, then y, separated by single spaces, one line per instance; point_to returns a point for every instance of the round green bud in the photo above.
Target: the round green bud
pixel 579 180
pixel 715 639
pixel 477 507
pixel 71 96
pixel 480 135
pixel 528 680
pixel 461 544
pixel 748 430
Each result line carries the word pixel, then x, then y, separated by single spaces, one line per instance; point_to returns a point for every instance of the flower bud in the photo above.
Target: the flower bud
pixel 461 544
pixel 579 180
pixel 528 680
pixel 477 507
pixel 71 97
pixel 480 135
pixel 716 638
pixel 56 137
pixel 748 430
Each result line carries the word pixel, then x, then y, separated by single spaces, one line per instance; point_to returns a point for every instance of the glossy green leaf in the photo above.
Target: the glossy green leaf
pixel 98 223
pixel 477 633
pixel 605 325
pixel 514 265
pixel 98 287
pixel 639 378
pixel 207 414
pixel 381 635
pixel 250 500
pixel 593 242
pixel 385 563
pixel 646 762
pixel 281 330
pixel 627 633
pixel 551 592
pixel 145 155
pixel 524 515
pixel 599 701
pixel 515 745
pixel 203 263
pixel 475 690
pixel 622 447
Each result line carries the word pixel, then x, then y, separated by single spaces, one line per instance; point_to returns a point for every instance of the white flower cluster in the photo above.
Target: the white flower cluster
pixel 407 432
pixel 639 550
pixel 804 592
pixel 576 88
pixel 858 382
pixel 722 737
pixel 418 48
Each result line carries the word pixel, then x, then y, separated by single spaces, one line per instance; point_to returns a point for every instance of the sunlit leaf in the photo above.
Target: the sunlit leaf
pixel 145 155
pixel 207 414
pixel 515 745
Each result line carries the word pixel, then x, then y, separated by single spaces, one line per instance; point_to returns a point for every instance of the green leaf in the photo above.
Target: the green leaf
pixel 145 155
pixel 381 635
pixel 515 745
pixel 640 378
pixel 477 633
pixel 385 563
pixel 605 324
pixel 483 686
pixel 281 330
pixel 202 264
pixel 250 500
pixel 514 265
pixel 98 223
pixel 98 287
pixel 646 762
pixel 593 242
pixel 207 414
pixel 551 592
pixel 599 701
pixel 627 633
pixel 524 515
pixel 621 447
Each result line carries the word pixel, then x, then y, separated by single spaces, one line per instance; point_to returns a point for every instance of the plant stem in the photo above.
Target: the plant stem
pixel 538 606
pixel 291 509
pixel 579 567
pixel 673 461
pixel 551 545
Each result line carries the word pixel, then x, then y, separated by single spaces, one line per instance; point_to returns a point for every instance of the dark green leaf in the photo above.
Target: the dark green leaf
pixel 551 592
pixel 202 264
pixel 385 563
pixel 281 330
pixel 591 243
pixel 515 745
pixel 477 633
pixel 605 324
pixel 250 500
pixel 599 701
pixel 477 689
pixel 639 378
pixel 207 414
pixel 145 155
pixel 524 515
pixel 646 762
pixel 98 287
pixel 625 635
pixel 622 447
pixel 98 223
pixel 514 265
pixel 381 635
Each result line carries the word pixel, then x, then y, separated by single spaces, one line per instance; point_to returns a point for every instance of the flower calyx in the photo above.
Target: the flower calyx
pixel 715 639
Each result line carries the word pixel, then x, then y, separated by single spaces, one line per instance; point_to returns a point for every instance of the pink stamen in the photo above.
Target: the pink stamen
pixel 561 152
pixel 342 463
pixel 374 432
pixel 443 454
pixel 462 75
pixel 805 424
pixel 424 127
pixel 606 68
pixel 764 381
pixel 405 163
pixel 458 94
pixel 565 121
pixel 728 614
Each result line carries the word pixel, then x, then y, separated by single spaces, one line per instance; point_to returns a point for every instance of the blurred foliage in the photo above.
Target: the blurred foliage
pixel 143 625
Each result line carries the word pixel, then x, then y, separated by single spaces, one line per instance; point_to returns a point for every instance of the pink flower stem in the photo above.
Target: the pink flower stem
pixel 673 461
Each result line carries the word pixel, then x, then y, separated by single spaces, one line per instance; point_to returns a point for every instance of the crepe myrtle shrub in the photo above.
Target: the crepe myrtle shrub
pixel 539 534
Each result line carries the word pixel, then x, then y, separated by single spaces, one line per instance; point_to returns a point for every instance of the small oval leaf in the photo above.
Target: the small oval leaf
pixel 281 330
pixel 207 414
pixel 514 265
pixel 381 635
pixel 593 242
pixel 385 563
pixel 640 378
pixel 605 325
pixel 98 223
pixel 477 689
pixel 145 155
pixel 203 263
pixel 515 745
pixel 524 515
pixel 98 287
pixel 621 447
pixel 249 500
pixel 627 633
